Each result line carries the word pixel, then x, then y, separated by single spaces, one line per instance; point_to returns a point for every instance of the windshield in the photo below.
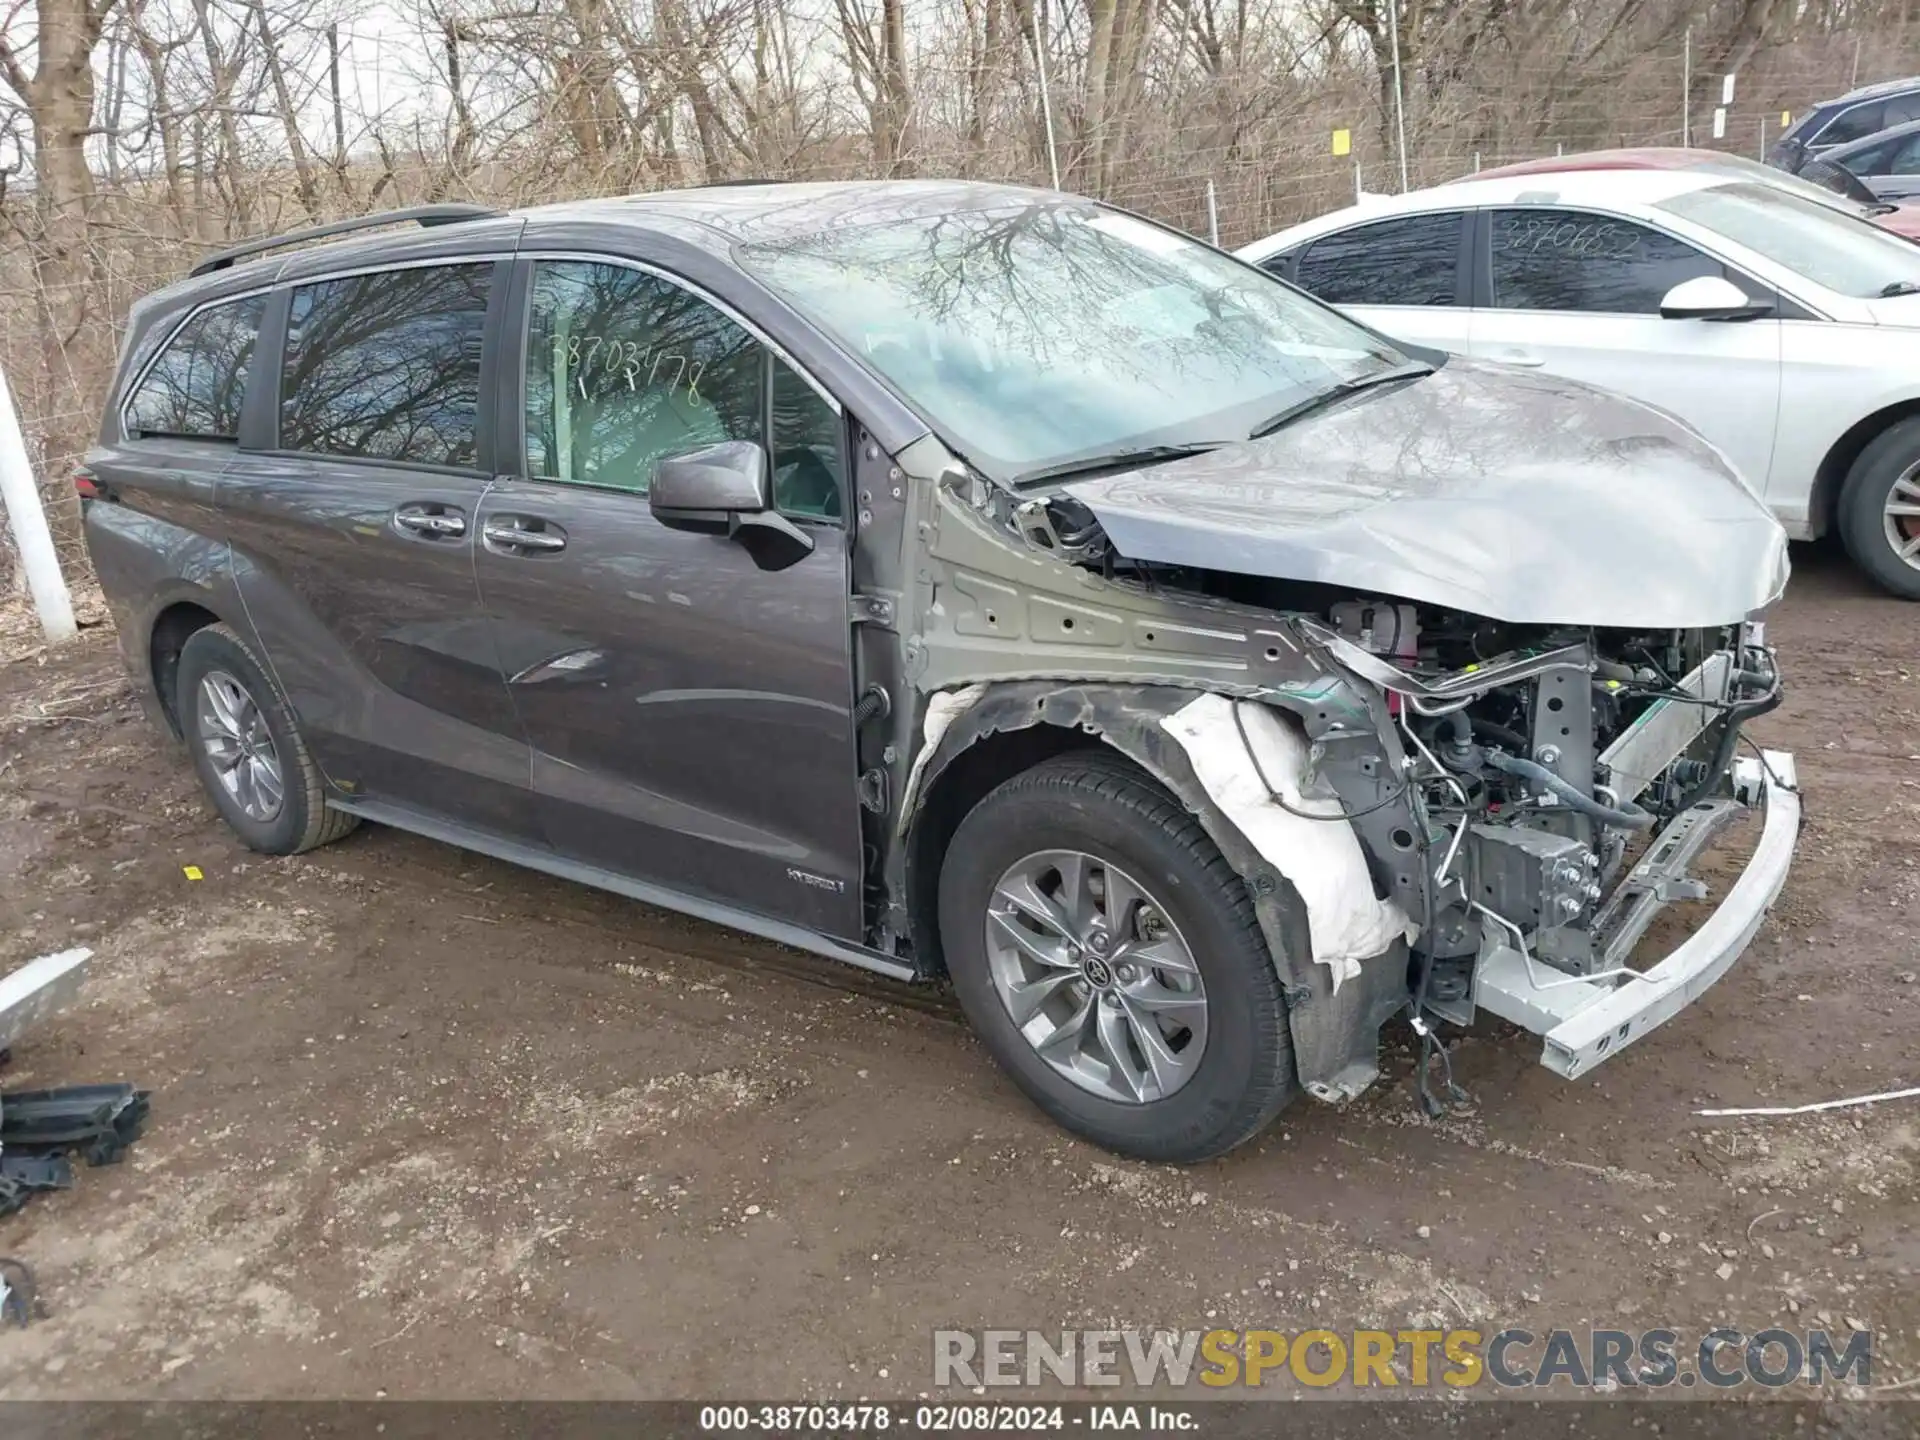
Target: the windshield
pixel 1849 256
pixel 1034 336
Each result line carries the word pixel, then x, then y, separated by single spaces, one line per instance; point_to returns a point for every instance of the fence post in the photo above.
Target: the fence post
pixel 1686 91
pixel 30 534
pixel 1213 216
pixel 1046 105
pixel 1399 91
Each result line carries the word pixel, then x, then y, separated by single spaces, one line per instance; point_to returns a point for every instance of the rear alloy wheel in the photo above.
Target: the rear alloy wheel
pixel 1109 958
pixel 1879 515
pixel 252 762
pixel 232 730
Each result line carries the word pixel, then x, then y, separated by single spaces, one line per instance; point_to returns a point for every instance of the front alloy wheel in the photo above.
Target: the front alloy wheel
pixel 1111 960
pixel 1902 517
pixel 1095 977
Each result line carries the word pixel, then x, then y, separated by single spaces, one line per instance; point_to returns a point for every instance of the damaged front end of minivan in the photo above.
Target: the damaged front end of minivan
pixel 1454 774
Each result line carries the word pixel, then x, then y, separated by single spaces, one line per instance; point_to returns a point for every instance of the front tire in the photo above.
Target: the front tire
pixel 1879 514
pixel 252 762
pixel 1109 958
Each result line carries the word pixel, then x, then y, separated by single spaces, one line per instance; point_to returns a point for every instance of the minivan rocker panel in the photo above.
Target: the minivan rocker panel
pixel 1216 701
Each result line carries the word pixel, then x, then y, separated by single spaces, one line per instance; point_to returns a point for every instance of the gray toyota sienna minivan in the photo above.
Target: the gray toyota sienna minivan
pixel 964 582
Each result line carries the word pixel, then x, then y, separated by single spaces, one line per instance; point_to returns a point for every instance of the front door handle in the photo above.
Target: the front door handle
pixel 434 522
pixel 1526 359
pixel 519 535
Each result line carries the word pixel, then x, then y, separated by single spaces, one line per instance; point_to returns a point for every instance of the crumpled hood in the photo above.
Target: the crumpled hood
pixel 1520 497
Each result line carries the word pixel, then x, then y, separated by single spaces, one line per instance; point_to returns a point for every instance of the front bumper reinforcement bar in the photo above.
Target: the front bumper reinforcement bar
pixel 1584 1022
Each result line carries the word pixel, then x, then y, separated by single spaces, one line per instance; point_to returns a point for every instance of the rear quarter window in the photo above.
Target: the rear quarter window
pixel 195 386
pixel 1412 260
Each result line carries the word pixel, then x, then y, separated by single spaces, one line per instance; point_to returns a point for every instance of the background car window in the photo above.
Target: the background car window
pixel 1871 159
pixel 1900 109
pixel 194 389
pixel 387 365
pixel 1903 157
pixel 807 448
pixel 1573 260
pixel 1855 124
pixel 1409 261
pixel 625 368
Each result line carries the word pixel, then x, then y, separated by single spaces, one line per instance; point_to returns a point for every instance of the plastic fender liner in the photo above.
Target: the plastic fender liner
pixel 1335 1031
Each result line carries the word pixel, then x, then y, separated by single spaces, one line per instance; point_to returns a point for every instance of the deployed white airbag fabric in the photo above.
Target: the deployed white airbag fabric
pixel 1322 858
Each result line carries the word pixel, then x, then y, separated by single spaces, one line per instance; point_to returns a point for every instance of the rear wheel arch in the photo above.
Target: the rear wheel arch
pixel 173 626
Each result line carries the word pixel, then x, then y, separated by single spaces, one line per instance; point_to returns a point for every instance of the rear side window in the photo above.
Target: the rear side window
pixel 195 387
pixel 387 366
pixel 1573 260
pixel 1408 261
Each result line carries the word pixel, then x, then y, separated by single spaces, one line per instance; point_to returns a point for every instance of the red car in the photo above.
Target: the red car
pixel 1819 180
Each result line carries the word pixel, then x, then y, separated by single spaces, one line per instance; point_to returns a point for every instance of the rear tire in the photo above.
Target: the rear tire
pixel 247 749
pixel 1886 479
pixel 1150 858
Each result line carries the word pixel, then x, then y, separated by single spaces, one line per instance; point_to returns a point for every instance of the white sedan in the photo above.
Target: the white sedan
pixel 1783 330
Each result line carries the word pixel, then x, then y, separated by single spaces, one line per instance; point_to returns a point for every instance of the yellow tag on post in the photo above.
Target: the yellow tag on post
pixel 192 872
pixel 1343 142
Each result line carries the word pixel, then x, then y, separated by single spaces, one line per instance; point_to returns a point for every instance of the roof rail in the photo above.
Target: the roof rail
pixel 450 214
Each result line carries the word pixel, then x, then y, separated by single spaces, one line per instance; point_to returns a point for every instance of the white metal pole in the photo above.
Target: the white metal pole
pixel 1046 106
pixel 1686 90
pixel 1399 94
pixel 1213 215
pixel 30 534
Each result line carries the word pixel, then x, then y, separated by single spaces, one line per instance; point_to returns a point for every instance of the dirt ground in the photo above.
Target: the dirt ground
pixel 428 1125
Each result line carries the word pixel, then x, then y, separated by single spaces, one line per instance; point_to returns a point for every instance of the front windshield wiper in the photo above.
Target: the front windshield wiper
pixel 1339 392
pixel 1115 460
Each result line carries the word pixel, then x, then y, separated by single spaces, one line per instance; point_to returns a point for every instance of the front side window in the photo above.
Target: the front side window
pixel 1813 240
pixel 1409 261
pixel 386 366
pixel 1575 260
pixel 624 369
pixel 195 387
pixel 1855 124
pixel 1048 333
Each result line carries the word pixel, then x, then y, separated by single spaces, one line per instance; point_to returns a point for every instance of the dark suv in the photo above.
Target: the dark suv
pixel 961 581
pixel 1853 116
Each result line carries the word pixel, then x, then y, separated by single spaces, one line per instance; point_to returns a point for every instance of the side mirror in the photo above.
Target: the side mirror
pixel 1710 297
pixel 725 489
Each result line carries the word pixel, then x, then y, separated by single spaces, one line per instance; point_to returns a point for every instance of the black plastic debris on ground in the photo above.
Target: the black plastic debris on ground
pixel 41 1129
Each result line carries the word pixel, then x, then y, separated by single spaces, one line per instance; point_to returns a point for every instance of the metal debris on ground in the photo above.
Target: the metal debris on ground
pixel 16 1292
pixel 1819 1105
pixel 41 1129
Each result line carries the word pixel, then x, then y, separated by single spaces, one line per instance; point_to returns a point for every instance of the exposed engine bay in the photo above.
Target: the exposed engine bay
pixel 1555 749
pixel 1515 794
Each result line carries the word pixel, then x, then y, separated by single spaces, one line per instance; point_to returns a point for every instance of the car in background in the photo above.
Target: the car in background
pixel 1821 180
pixel 1853 116
pixel 1780 328
pixel 1887 164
